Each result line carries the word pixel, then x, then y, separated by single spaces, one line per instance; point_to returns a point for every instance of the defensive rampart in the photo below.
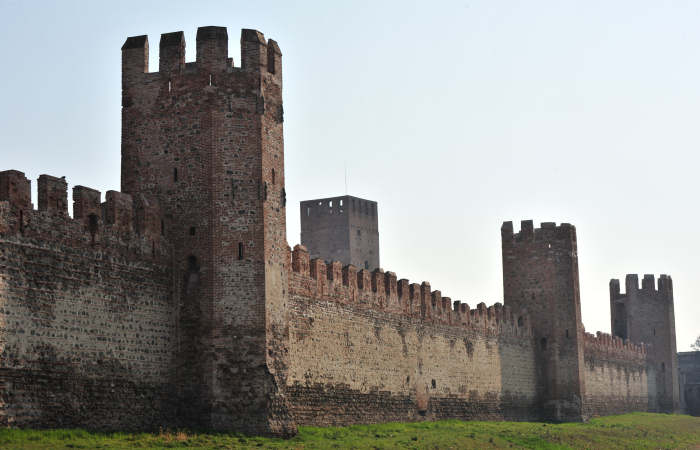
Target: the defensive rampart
pixel 366 347
pixel 86 315
pixel 617 377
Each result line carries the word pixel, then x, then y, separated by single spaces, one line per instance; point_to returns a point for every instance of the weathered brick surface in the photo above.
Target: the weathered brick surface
pixel 88 328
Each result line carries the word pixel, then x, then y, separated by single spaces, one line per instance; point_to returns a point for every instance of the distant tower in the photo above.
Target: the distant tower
pixel 341 229
pixel 646 315
pixel 540 274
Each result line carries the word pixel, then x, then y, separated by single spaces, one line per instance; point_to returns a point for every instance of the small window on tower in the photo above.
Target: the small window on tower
pixel 175 174
pixel 193 230
pixel 341 203
pixel 308 212
pixel 93 223
pixel 240 251
pixel 330 204
pixel 273 176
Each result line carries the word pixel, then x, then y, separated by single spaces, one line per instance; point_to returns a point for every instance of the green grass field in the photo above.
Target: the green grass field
pixel 636 431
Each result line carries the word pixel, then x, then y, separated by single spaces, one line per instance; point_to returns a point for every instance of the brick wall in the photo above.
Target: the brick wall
pixel 88 325
pixel 365 347
pixel 617 376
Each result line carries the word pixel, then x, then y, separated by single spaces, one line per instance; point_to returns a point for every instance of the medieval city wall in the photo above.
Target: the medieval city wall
pixel 617 377
pixel 366 347
pixel 87 324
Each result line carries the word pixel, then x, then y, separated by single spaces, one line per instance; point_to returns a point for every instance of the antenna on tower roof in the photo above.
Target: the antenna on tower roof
pixel 346 178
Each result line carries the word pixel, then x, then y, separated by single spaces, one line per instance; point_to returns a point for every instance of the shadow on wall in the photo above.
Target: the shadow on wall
pixel 520 387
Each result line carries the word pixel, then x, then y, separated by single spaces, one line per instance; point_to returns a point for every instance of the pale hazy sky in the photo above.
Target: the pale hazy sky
pixel 454 116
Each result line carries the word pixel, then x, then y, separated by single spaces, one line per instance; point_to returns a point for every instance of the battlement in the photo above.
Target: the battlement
pixel 94 222
pixel 605 345
pixel 649 285
pixel 338 206
pixel 257 54
pixel 383 291
pixel 547 231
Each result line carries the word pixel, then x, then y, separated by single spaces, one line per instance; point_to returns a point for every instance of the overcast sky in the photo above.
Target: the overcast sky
pixel 454 116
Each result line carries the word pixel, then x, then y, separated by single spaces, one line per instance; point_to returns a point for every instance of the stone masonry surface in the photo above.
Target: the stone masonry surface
pixel 177 302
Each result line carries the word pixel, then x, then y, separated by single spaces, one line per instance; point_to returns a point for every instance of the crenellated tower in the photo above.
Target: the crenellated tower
pixel 646 315
pixel 540 275
pixel 205 139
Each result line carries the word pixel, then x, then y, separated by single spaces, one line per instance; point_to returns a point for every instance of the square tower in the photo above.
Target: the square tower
pixel 647 315
pixel 341 229
pixel 540 275
pixel 205 140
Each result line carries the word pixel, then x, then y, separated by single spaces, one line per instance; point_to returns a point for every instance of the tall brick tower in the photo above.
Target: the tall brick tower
pixel 205 139
pixel 341 229
pixel 540 273
pixel 646 315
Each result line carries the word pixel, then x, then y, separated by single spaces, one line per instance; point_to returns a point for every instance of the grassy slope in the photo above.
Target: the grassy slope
pixel 638 431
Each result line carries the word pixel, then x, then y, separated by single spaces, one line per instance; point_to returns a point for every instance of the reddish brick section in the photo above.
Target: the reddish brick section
pixel 205 139
pixel 87 321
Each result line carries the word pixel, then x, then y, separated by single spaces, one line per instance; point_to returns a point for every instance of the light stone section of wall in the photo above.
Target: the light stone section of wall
pixel 87 309
pixel 86 338
pixel 614 387
pixel 368 351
